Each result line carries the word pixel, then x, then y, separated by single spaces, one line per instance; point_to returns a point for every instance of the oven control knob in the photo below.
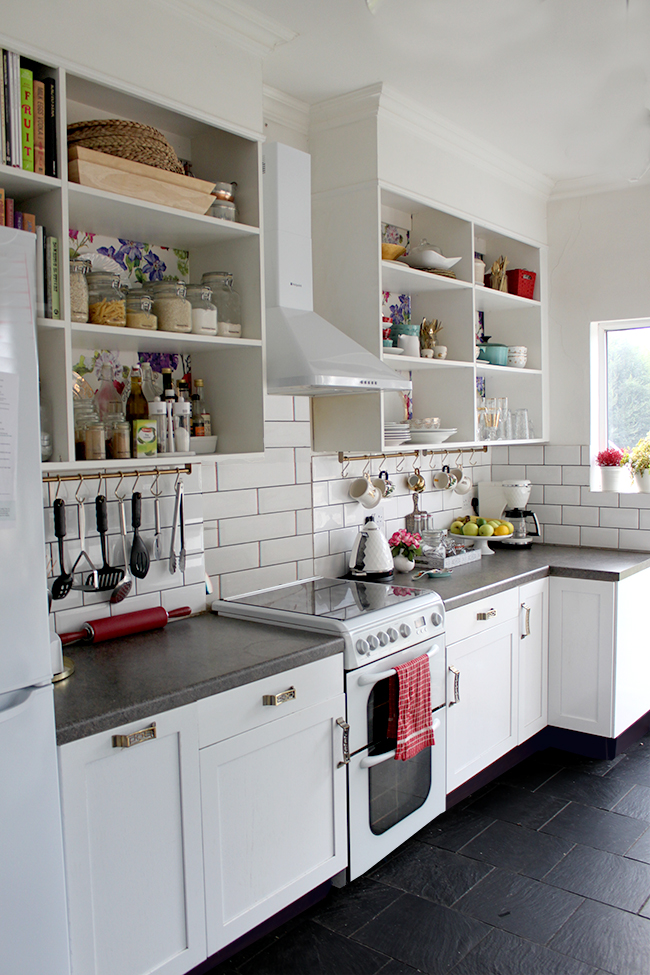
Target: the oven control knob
pixel 405 629
pixel 373 642
pixel 383 638
pixel 436 619
pixel 392 634
pixel 362 646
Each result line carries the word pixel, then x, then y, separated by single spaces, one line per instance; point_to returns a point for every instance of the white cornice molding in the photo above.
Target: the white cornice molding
pixel 380 100
pixel 565 189
pixel 234 21
pixel 284 109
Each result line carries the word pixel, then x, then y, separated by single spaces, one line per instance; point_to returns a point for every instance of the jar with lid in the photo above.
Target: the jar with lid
pixel 95 439
pixel 158 414
pixel 120 438
pixel 204 312
pixel 171 307
pixel 79 269
pixel 106 301
pixel 227 302
pixel 224 210
pixel 182 419
pixel 138 311
pixel 85 414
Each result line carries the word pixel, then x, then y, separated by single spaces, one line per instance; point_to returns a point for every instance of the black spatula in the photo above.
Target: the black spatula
pixel 62 584
pixel 107 577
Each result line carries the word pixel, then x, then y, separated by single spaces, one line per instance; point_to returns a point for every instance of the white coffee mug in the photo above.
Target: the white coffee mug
pixel 444 480
pixel 362 489
pixel 464 485
pixel 410 344
pixel 440 352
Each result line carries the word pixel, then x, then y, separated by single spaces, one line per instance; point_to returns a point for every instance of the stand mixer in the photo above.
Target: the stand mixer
pixel 516 495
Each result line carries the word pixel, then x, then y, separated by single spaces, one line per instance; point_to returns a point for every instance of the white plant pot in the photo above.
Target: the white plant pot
pixel 611 478
pixel 642 482
pixel 402 564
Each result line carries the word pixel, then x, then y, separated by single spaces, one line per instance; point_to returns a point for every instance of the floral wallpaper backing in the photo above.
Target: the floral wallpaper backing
pixel 136 262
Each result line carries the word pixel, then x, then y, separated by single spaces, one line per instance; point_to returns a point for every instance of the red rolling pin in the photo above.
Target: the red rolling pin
pixel 112 627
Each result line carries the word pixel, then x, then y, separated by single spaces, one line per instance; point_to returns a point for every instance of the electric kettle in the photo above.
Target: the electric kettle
pixel 371 557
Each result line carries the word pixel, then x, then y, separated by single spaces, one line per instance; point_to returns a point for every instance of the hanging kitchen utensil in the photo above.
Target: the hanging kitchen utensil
pixel 139 554
pixel 126 624
pixel 63 583
pixel 123 588
pixel 173 558
pixel 108 577
pixel 92 582
pixel 182 554
pixel 157 542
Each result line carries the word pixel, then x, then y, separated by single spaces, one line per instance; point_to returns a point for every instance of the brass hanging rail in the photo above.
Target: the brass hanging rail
pixel 347 458
pixel 104 475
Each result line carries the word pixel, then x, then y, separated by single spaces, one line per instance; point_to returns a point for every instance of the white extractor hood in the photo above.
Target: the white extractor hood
pixel 306 355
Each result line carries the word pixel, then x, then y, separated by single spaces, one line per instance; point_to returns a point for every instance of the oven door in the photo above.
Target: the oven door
pixel 390 800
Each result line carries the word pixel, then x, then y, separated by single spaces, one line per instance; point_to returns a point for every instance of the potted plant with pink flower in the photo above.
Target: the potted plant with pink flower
pixel 611 462
pixel 404 546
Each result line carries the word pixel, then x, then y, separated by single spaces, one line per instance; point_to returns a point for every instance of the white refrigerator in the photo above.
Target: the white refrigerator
pixel 33 923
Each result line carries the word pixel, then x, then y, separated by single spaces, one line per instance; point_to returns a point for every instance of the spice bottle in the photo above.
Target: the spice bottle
pixel 182 413
pixel 204 312
pixel 171 307
pixel 106 302
pixel 158 414
pixel 79 268
pixel 199 412
pixel 227 301
pixel 137 407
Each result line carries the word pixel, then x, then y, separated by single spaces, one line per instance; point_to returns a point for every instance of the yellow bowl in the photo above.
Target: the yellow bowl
pixel 390 251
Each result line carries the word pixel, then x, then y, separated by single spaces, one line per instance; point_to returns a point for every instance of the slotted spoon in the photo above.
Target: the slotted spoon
pixel 139 554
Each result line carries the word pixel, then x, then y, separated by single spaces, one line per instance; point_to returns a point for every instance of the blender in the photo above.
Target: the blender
pixel 516 495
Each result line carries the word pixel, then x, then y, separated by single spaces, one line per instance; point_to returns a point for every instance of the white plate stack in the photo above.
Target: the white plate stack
pixel 396 433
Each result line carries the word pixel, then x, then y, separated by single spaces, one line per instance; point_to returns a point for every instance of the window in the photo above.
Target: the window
pixel 620 384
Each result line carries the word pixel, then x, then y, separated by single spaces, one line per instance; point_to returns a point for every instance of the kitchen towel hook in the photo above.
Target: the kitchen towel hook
pixel 78 499
pixel 400 464
pixel 156 484
pixel 58 487
pixel 120 497
pixel 459 459
pixel 366 469
pixel 344 468
pixel 472 462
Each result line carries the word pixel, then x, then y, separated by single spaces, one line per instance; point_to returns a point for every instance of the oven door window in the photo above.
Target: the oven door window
pixel 395 788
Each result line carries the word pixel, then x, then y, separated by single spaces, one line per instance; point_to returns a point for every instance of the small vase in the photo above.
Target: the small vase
pixel 611 478
pixel 402 564
pixel 642 481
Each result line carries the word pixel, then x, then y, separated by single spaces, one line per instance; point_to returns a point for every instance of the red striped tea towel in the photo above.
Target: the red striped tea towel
pixel 409 708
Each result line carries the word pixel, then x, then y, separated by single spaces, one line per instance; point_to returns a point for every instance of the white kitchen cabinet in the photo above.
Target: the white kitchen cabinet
pixel 273 796
pixel 133 855
pixel 599 668
pixel 232 368
pixel 533 658
pixel 482 690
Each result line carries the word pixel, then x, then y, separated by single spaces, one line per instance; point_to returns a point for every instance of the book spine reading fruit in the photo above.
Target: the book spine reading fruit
pixel 53 309
pixel 39 127
pixel 27 118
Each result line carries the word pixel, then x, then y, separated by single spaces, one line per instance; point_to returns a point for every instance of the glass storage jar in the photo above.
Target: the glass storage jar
pixel 138 311
pixel 224 210
pixel 85 414
pixel 106 301
pixel 171 307
pixel 227 302
pixel 79 268
pixel 95 441
pixel 204 312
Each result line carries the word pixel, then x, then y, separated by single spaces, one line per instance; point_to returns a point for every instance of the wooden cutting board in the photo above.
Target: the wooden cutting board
pixel 113 174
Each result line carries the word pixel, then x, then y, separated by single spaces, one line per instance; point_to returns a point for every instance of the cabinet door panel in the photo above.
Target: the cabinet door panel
pixel 533 658
pixel 132 835
pixel 273 818
pixel 482 726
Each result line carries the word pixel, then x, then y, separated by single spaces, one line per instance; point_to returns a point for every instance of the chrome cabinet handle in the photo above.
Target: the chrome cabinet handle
pixel 272 700
pixel 527 621
pixel 342 723
pixel 490 614
pixel 456 674
pixel 127 741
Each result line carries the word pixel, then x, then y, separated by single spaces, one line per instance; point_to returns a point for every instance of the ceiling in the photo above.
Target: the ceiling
pixel 560 85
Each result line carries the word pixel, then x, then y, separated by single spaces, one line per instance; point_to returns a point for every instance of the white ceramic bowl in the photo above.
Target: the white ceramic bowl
pixel 428 423
pixel 431 436
pixel 203 445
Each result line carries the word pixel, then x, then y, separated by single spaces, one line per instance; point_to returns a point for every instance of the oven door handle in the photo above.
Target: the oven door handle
pixel 366 679
pixel 371 760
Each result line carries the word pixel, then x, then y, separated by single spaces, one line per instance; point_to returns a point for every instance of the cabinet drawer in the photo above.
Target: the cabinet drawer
pixel 463 622
pixel 243 708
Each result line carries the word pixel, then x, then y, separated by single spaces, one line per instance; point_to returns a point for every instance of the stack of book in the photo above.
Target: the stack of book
pixel 27 116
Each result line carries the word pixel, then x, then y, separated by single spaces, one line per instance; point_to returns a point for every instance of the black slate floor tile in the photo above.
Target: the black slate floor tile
pixel 454 829
pixel 636 803
pixel 312 948
pixel 645 910
pixel 502 953
pixel 394 967
pixel 614 880
pixel 347 909
pixel 518 848
pixel 426 871
pixel 426 936
pixel 530 774
pixel 598 828
pixel 593 790
pixel 607 938
pixel 531 909
pixel 641 849
pixel 519 806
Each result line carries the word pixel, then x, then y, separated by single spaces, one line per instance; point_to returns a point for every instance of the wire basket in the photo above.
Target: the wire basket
pixel 521 282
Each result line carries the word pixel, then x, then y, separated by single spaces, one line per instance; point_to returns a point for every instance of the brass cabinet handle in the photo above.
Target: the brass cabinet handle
pixel 272 700
pixel 456 674
pixel 527 621
pixel 487 615
pixel 342 723
pixel 126 741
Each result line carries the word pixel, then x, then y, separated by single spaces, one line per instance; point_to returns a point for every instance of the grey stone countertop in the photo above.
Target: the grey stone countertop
pixel 513 567
pixel 137 676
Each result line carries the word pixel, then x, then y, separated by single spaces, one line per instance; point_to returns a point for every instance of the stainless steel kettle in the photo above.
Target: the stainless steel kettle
pixel 371 557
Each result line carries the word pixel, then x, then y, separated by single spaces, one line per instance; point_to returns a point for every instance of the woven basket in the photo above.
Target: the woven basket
pixel 129 140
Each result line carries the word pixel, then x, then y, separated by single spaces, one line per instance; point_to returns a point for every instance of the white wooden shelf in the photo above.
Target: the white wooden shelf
pixel 21 185
pixel 400 277
pixel 487 299
pixel 86 335
pixel 421 362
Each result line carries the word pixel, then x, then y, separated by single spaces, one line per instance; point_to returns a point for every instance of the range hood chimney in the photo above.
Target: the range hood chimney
pixel 306 355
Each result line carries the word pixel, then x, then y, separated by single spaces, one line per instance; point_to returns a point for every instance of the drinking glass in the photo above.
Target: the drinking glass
pixel 492 416
pixel 520 429
pixel 504 415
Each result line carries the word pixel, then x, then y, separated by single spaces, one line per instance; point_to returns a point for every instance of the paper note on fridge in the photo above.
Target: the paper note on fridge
pixel 8 447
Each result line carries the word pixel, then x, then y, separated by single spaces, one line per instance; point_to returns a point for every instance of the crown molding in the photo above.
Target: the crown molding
pixel 283 109
pixel 234 21
pixel 565 189
pixel 382 101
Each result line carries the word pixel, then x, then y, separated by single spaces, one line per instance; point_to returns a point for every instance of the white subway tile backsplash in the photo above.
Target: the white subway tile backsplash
pixel 278 408
pixel 304 521
pixel 536 494
pixel 306 569
pixel 301 408
pixel 502 472
pixel 526 454
pixel 303 465
pixel 328 519
pixel 637 541
pixel 576 515
pixel 291 434
pixel 326 467
pixel 599 537
pixel 235 583
pixel 193 596
pixel 575 475
pixel 499 454
pixel 562 534
pixel 562 494
pixel 321 544
pixel 634 500
pixel 233 531
pixel 549 514
pixel 544 474
pixel 320 494
pixel 585 452
pixel 229 504
pixel 209 476
pixel 342 540
pixel 562 455
pixel 232 558
pixel 644 519
pixel 598 499
pixel 274 467
pixel 291 549
pixel 287 498
pixel 332 566
pixel 619 518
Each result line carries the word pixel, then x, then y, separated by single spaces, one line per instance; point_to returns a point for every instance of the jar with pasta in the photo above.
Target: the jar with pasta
pixel 171 307
pixel 79 268
pixel 138 311
pixel 106 302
